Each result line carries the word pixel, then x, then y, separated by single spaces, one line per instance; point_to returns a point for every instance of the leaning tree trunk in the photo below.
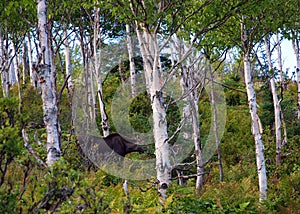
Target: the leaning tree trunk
pixel 48 92
pixel 296 47
pixel 150 54
pixel 277 108
pixel 256 126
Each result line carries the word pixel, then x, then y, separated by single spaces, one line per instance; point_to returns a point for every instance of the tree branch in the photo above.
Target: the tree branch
pixel 30 149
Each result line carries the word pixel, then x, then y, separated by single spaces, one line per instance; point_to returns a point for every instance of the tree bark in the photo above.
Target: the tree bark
pixel 279 62
pixel 97 64
pixel 150 54
pixel 131 61
pixel 296 47
pixel 33 77
pixel 276 103
pixel 67 59
pixel 17 74
pixel 24 60
pixel 48 92
pixel 256 124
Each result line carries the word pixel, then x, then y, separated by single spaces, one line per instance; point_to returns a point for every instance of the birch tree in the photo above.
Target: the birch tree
pixel 97 71
pixel 296 47
pixel 32 74
pixel 130 49
pixel 256 126
pixel 276 103
pixel 43 69
pixel 5 64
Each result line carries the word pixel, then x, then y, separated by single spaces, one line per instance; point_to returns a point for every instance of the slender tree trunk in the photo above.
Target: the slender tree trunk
pixel 24 60
pixel 213 103
pixel 196 137
pixel 256 124
pixel 68 59
pixel 296 47
pixel 276 103
pixel 97 64
pixel 48 92
pixel 131 61
pixel 279 62
pixel 33 78
pixel 282 86
pixel 17 74
pixel 256 130
pixel 2 65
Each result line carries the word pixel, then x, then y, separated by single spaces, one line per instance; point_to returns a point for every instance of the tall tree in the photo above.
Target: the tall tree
pixel 277 107
pixel 296 47
pixel 256 125
pixel 43 69
pixel 97 70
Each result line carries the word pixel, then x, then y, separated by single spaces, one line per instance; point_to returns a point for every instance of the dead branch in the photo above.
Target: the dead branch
pixel 31 150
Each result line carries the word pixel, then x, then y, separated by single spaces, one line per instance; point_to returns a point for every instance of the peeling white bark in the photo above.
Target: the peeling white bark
pixel 150 53
pixel 255 121
pixel 48 95
pixel 276 103
pixel 256 130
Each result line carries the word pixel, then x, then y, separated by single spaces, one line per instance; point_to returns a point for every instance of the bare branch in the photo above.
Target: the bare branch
pixel 30 149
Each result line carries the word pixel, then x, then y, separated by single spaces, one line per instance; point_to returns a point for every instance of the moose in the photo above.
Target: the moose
pixel 114 143
pixel 122 146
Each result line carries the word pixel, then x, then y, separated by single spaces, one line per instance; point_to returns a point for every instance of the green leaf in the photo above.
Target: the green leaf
pixel 244 205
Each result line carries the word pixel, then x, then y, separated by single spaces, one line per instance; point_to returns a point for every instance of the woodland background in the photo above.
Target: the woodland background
pixel 43 53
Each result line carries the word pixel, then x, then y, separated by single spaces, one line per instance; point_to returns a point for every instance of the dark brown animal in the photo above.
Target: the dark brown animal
pixel 121 145
pixel 112 143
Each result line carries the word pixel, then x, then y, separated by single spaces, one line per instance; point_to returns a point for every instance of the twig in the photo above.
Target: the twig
pixel 189 176
pixel 30 149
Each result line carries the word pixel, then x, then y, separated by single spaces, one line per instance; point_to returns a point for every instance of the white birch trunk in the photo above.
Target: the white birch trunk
pixel 296 47
pixel 279 61
pixel 5 64
pixel 17 75
pixel 67 59
pixel 24 60
pixel 48 95
pixel 33 78
pixel 255 121
pixel 256 130
pixel 2 66
pixel 131 62
pixel 196 137
pixel 150 54
pixel 276 103
pixel 97 64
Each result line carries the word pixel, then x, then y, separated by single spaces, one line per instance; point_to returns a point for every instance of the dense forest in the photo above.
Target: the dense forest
pixel 149 106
